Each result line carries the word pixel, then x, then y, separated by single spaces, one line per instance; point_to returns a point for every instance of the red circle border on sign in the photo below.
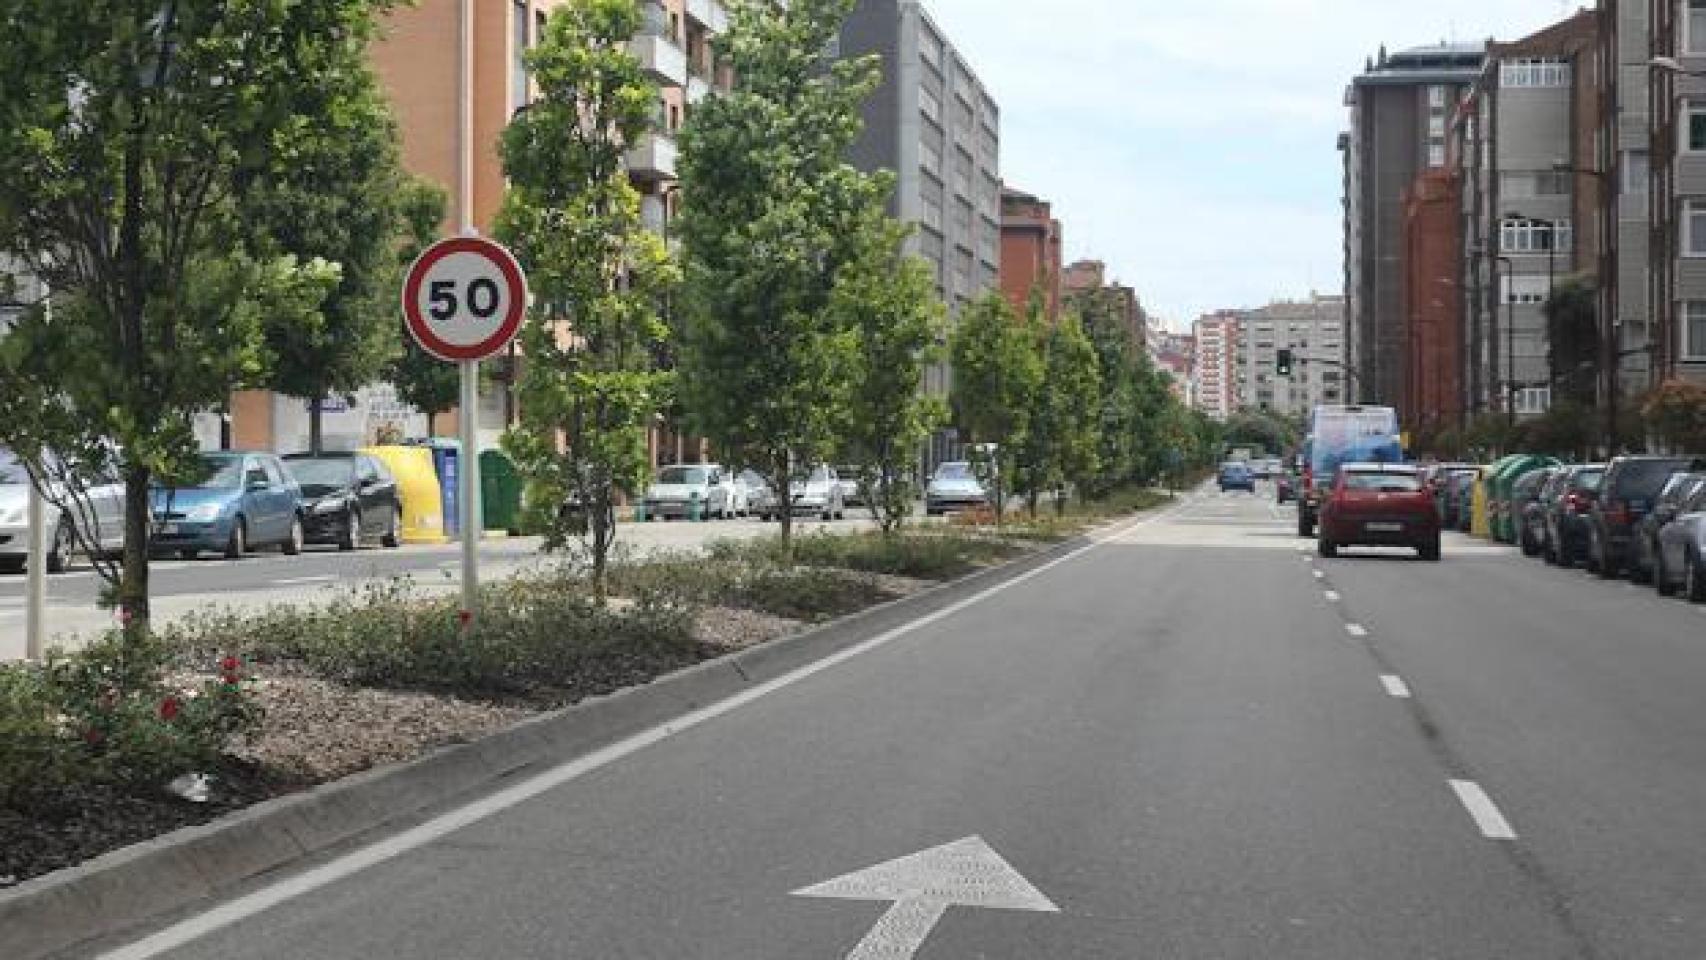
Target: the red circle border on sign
pixel 513 278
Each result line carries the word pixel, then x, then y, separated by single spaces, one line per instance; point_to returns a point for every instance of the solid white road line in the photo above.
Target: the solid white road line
pixel 269 897
pixel 1395 686
pixel 1356 629
pixel 300 581
pixel 1481 807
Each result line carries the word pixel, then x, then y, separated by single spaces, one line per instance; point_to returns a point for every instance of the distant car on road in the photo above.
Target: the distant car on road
pixel 1379 504
pixel 240 501
pixel 1338 435
pixel 347 499
pixel 1236 475
pixel 1569 498
pixel 1626 494
pixel 1285 487
pixel 852 494
pixel 954 486
pixel 1681 559
pixel 1679 491
pixel 760 499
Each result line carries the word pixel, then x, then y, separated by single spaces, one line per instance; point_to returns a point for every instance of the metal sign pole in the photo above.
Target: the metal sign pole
pixel 36 585
pixel 469 498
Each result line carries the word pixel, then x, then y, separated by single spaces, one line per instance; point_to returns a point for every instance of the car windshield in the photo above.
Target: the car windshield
pixel 12 471
pixel 682 475
pixel 322 476
pixel 752 479
pixel 1383 482
pixel 219 473
pixel 1645 478
pixel 1588 480
pixel 954 471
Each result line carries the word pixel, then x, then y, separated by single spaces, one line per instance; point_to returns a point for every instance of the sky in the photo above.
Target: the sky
pixel 1191 144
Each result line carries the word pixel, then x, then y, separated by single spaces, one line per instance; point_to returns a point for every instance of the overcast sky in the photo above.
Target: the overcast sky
pixel 1191 143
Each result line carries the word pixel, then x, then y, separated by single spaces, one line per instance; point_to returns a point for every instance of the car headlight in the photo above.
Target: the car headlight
pixel 205 513
pixel 322 507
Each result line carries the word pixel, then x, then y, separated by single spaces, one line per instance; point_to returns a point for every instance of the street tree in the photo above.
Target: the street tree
pixel 422 380
pixel 771 216
pixel 590 387
pixel 888 299
pixel 1116 364
pixel 998 371
pixel 130 131
pixel 335 191
pixel 1070 411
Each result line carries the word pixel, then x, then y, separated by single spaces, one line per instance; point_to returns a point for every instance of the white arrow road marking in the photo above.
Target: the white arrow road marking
pixel 965 873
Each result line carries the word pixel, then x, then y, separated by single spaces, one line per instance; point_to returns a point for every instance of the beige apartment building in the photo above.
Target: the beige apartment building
pixel 427 55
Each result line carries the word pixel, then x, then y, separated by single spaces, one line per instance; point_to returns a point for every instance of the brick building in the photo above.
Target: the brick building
pixel 1030 251
pixel 1433 303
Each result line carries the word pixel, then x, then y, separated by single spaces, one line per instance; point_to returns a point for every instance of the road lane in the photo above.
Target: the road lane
pixel 1579 702
pixel 1171 737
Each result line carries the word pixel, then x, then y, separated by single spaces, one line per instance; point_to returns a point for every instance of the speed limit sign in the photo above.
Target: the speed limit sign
pixel 464 299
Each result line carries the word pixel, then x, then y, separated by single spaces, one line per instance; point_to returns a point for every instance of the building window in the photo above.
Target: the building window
pixel 518 78
pixel 1534 72
pixel 1536 236
pixel 1696 114
pixel 1636 169
pixel 1694 331
pixel 1436 98
pixel 1694 30
pixel 1436 154
pixel 1694 228
pixel 1533 401
pixel 930 159
pixel 929 105
pixel 1528 291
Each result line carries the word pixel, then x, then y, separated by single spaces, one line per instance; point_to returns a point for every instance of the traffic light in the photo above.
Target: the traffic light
pixel 1283 364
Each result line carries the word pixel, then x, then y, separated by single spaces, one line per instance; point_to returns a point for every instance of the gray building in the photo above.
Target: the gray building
pixel 932 123
pixel 1675 324
pixel 1399 114
pixel 1314 331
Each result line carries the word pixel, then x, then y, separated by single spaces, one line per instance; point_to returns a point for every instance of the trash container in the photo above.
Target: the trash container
pixel 418 487
pixel 500 492
pixel 446 460
pixel 1501 491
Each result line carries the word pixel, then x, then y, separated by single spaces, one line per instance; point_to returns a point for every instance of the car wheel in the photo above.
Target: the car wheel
pixel 59 548
pixel 189 553
pixel 293 546
pixel 1661 576
pixel 238 544
pixel 1641 571
pixel 394 534
pixel 1430 550
pixel 1696 580
pixel 352 532
pixel 1305 529
pixel 1327 548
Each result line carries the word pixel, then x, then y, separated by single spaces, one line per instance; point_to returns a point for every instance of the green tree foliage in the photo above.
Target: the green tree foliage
pixel 888 300
pixel 1676 415
pixel 998 372
pixel 422 380
pixel 1116 365
pixel 591 387
pixel 1572 329
pixel 1260 428
pixel 771 217
pixel 336 191
pixel 130 131
pixel 1060 444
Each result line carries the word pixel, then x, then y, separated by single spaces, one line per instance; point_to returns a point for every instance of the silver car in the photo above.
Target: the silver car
pixel 954 486
pixel 1681 559
pixel 819 493
pixel 105 503
pixel 689 490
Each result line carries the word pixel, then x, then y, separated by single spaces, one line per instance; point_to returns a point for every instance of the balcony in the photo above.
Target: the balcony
pixel 654 158
pixel 697 89
pixel 661 57
pixel 710 14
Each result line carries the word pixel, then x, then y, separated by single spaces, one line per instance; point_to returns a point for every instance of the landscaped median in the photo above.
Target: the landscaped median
pixel 282 711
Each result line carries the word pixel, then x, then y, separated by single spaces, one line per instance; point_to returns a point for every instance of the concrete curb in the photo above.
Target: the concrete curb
pixel 50 915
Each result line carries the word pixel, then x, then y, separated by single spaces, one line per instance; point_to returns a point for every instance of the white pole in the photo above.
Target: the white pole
pixel 469 499
pixel 36 585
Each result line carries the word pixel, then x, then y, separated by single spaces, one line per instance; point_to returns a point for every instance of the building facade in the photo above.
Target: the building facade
pixel 1313 332
pixel 1031 244
pixel 1676 103
pixel 1091 276
pixel 1399 109
pixel 1433 304
pixel 1217 366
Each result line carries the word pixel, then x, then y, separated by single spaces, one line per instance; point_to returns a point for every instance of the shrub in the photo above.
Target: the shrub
pixel 809 594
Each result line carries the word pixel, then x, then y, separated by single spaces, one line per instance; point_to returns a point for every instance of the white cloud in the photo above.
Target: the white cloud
pixel 1191 144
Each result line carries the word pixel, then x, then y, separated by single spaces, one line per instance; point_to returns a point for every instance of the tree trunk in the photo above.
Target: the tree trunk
pixel 785 508
pixel 432 423
pixel 314 428
pixel 603 519
pixel 133 581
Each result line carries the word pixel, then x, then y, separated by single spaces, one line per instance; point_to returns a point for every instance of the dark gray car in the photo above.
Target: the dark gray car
pixel 1568 499
pixel 1626 495
pixel 1678 491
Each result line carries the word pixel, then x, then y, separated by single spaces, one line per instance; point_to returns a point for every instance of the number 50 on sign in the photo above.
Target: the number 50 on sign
pixel 464 299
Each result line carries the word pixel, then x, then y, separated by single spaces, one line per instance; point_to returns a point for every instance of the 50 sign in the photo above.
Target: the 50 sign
pixel 464 299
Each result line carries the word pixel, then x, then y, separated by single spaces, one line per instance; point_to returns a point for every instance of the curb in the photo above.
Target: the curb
pixel 126 888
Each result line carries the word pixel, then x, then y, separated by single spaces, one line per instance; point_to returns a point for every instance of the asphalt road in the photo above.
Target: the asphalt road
pixel 1194 740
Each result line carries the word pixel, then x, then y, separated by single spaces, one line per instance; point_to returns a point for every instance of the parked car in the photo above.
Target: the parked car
pixel 347 499
pixel 687 491
pixel 735 493
pixel 103 502
pixel 1680 562
pixel 1529 506
pixel 239 502
pixel 1626 494
pixel 818 492
pixel 1379 504
pixel 954 486
pixel 852 493
pixel 1569 498
pixel 1458 497
pixel 1439 478
pixel 1285 487
pixel 1679 490
pixel 1236 475
pixel 760 499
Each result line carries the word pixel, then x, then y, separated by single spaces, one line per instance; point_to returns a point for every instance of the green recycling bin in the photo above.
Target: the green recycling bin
pixel 500 492
pixel 1500 486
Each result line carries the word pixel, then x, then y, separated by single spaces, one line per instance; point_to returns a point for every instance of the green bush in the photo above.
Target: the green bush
pixel 934 554
pixel 808 593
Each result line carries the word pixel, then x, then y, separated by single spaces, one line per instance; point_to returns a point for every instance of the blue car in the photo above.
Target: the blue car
pixel 1237 476
pixel 241 502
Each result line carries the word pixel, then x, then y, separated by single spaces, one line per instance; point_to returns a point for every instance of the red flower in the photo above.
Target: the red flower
pixel 169 708
pixel 230 664
pixel 92 736
pixel 464 617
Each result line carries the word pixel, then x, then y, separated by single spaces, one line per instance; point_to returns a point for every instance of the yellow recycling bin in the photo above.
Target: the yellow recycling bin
pixel 417 485
pixel 1481 521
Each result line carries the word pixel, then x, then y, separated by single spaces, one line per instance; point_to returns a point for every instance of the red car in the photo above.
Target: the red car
pixel 1379 505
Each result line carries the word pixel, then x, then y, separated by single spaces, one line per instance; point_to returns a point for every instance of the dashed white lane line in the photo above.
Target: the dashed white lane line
pixel 303 581
pixel 1320 574
pixel 1493 824
pixel 1356 629
pixel 1395 686
pixel 1333 596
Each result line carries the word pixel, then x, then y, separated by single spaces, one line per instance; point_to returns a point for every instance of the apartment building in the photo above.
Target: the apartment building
pixel 1031 241
pixel 1399 109
pixel 1675 333
pixel 1216 368
pixel 1176 355
pixel 1433 399
pixel 427 54
pixel 1091 276
pixel 1313 332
